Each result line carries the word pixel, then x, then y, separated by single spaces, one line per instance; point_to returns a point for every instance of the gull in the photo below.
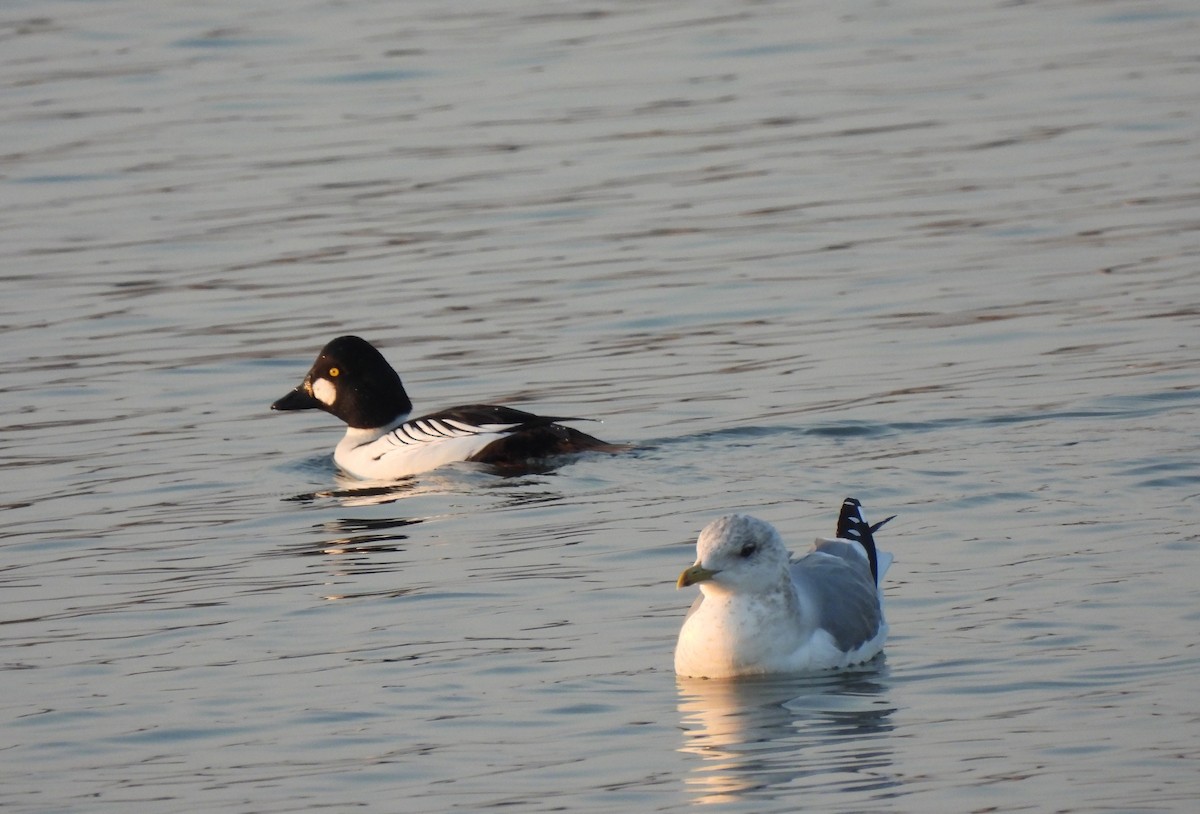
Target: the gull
pixel 759 612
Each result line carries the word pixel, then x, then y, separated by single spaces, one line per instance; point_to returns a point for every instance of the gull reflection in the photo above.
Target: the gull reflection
pixel 762 737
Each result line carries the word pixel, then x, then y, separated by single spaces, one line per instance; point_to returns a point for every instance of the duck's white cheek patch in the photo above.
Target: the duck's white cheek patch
pixel 324 391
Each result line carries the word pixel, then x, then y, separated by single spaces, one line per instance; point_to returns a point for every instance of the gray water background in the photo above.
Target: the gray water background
pixel 940 256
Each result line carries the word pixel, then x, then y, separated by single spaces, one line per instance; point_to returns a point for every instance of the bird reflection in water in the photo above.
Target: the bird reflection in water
pixel 369 551
pixel 356 535
pixel 757 738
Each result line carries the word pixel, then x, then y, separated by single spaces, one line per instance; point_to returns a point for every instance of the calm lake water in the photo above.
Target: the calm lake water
pixel 943 257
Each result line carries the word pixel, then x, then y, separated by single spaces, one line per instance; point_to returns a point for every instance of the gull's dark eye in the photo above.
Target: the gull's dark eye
pixel 748 549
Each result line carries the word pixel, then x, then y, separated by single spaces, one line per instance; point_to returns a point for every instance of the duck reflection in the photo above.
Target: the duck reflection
pixel 452 480
pixel 377 537
pixel 360 535
pixel 759 737
pixel 352 492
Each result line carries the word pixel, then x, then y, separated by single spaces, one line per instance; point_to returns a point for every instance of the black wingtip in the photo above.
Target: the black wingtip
pixel 877 526
pixel 852 525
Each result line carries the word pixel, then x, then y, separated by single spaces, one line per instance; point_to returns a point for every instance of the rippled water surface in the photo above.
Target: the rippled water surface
pixel 939 256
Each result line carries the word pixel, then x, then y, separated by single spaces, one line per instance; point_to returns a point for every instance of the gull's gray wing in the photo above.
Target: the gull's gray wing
pixel 837 580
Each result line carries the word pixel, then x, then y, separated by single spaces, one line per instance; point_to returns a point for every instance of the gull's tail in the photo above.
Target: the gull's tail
pixel 853 525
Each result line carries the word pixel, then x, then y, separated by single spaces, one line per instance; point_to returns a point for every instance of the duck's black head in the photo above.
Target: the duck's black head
pixel 352 381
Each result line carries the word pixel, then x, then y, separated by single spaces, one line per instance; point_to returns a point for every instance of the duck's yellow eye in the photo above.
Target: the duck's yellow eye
pixel 333 371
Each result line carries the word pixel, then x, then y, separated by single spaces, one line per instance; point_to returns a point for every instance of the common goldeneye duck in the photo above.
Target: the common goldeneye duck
pixel 352 381
pixel 760 612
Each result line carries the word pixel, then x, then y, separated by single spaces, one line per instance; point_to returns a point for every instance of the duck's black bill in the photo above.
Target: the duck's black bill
pixel 297 399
